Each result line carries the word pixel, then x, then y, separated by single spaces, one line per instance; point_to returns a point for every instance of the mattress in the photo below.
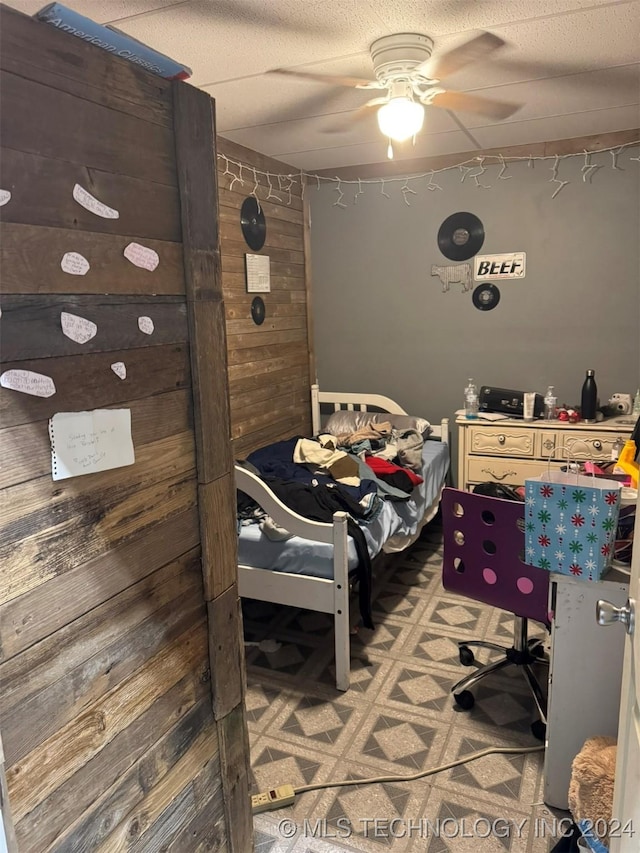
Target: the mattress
pixel 397 518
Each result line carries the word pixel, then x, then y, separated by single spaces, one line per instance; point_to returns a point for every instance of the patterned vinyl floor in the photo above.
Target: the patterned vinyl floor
pixel 397 719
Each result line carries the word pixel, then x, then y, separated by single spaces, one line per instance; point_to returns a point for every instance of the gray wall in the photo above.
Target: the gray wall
pixel 382 323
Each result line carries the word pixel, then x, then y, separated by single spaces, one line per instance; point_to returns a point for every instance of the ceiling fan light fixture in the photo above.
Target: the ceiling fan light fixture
pixel 400 118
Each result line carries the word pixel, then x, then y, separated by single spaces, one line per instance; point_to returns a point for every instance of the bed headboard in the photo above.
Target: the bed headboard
pixel 335 401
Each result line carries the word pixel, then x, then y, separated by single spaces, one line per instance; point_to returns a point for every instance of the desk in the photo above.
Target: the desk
pixel 585 675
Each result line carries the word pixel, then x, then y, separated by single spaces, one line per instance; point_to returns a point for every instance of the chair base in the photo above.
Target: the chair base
pixel 523 654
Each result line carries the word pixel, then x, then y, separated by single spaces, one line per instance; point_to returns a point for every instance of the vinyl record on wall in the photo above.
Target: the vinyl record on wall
pixel 486 297
pixel 258 311
pixel 252 222
pixel 460 236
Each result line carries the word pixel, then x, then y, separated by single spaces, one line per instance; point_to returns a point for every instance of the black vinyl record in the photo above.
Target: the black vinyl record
pixel 254 227
pixel 258 311
pixel 460 236
pixel 486 297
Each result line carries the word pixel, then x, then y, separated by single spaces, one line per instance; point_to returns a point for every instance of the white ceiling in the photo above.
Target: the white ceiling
pixel 573 64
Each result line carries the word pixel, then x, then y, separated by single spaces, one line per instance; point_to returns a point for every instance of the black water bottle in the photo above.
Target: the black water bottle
pixel 589 398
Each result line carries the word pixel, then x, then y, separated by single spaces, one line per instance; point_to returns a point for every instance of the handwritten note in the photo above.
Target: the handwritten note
pixel 28 382
pixel 120 369
pixel 142 256
pixel 79 329
pixel 87 442
pixel 91 203
pixel 5 196
pixel 145 324
pixel 74 263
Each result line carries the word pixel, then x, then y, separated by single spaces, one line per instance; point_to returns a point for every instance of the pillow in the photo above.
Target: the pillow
pixel 347 422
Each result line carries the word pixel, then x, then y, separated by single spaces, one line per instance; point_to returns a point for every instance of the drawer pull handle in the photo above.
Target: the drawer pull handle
pixel 498 476
pixel 597 444
pixel 549 443
pixel 502 439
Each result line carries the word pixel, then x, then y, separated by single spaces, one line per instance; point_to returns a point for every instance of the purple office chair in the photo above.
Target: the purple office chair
pixel 483 560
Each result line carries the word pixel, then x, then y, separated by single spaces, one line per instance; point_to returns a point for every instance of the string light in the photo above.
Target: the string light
pixel 473 167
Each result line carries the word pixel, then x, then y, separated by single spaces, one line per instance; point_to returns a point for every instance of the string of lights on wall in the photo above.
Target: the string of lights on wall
pixel 281 186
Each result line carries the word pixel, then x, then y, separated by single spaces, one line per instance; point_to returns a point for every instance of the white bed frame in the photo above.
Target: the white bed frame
pixel 312 593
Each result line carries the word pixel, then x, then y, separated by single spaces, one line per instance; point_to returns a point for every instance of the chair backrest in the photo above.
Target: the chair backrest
pixel 484 554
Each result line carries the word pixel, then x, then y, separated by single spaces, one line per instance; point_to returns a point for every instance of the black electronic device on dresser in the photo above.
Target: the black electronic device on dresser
pixel 507 402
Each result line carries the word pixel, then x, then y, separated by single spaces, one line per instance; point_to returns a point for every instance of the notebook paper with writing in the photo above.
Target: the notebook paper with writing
pixel 86 442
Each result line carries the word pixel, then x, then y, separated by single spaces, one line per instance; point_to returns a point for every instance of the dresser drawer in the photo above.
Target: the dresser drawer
pixel 586 445
pixel 495 441
pixel 513 472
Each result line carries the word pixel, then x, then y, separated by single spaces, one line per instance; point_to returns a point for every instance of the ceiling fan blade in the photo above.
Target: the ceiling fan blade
pixel 331 79
pixel 461 102
pixel 471 51
pixel 347 120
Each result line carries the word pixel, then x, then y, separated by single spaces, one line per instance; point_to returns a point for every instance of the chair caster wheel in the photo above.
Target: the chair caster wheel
pixel 464 700
pixel 467 657
pixel 539 730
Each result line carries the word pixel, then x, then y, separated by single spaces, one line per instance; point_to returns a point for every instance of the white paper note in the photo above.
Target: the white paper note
pixel 79 329
pixel 258 269
pixel 74 263
pixel 5 196
pixel 145 324
pixel 120 369
pixel 91 203
pixel 142 256
pixel 28 382
pixel 86 442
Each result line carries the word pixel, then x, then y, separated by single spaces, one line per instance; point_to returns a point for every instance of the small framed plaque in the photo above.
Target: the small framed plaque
pixel 258 272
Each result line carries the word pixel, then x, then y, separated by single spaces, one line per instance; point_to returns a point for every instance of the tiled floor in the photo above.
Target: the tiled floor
pixel 397 719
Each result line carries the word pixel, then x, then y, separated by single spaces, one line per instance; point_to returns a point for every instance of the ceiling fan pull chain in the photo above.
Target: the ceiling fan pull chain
pixel 389 155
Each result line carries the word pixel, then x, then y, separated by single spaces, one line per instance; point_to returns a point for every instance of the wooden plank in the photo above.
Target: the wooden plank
pixel 160 796
pixel 256 367
pixel 229 216
pixel 268 339
pixel 275 238
pixel 207 830
pixel 42 53
pixel 57 759
pixel 282 256
pixel 245 445
pixel 67 649
pixel 284 413
pixel 99 821
pixel 30 256
pixel 100 137
pixel 42 195
pixel 236 264
pixel 292 287
pixel 274 398
pixel 234 764
pixel 68 596
pixel 150 371
pixel 37 718
pixel 243 329
pixel 211 395
pixel 30 551
pixel 92 784
pixel 281 304
pixel 290 354
pixel 231 200
pixel 25 449
pixel 31 324
pixel 217 505
pixel 295 375
pixel 226 652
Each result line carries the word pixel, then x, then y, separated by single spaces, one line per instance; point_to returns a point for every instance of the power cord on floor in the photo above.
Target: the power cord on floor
pixel 285 795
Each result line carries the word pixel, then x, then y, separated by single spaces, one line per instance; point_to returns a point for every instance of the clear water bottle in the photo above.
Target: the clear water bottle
pixel 589 399
pixel 471 400
pixel 550 404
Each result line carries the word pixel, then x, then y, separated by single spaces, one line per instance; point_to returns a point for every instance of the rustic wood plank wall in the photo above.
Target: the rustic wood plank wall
pixel 269 364
pixel 117 588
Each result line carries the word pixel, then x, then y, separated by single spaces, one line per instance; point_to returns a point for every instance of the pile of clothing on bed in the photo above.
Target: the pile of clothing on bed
pixel 351 467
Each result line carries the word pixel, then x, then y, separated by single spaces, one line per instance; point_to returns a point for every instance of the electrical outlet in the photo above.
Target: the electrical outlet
pixel 275 798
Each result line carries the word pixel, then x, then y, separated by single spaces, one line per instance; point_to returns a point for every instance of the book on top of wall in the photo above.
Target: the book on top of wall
pixel 112 40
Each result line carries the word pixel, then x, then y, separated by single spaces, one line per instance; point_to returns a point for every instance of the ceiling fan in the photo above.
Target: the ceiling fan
pixel 402 68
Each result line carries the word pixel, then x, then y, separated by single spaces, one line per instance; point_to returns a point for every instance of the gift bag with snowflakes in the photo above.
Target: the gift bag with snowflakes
pixel 570 523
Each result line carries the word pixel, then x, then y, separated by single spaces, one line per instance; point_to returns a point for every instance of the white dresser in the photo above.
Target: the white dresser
pixel 509 451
